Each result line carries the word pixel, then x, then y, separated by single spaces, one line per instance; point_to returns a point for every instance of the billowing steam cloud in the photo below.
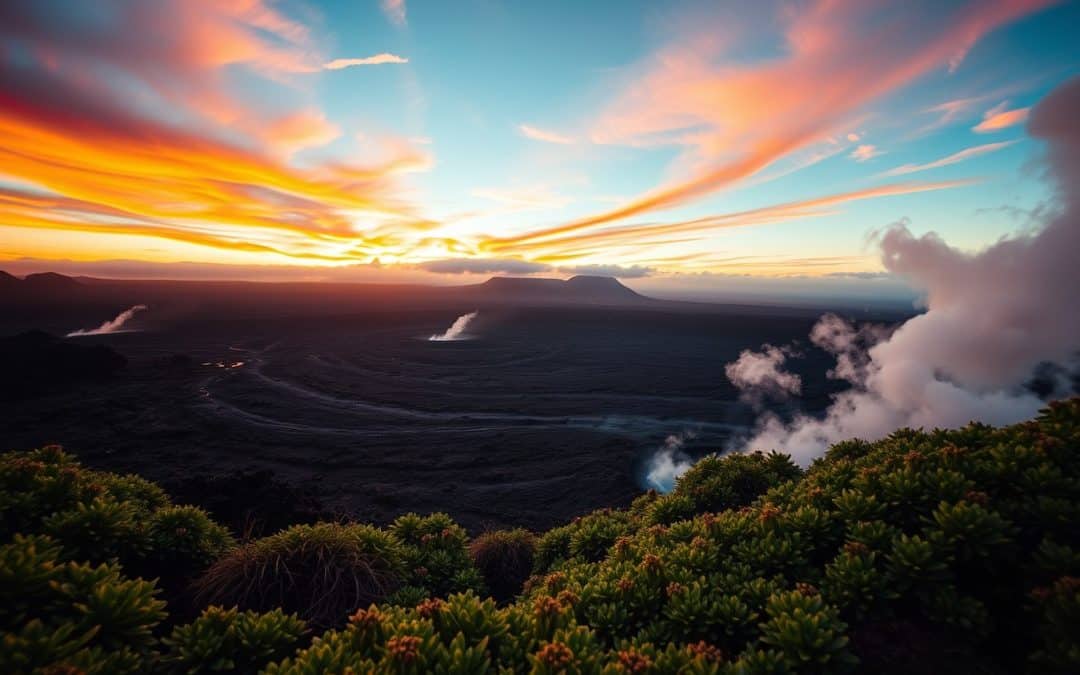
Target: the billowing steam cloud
pixel 992 320
pixel 760 375
pixel 456 330
pixel 113 326
pixel 669 462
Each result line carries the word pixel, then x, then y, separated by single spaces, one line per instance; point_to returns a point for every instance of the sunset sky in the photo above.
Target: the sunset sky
pixel 681 143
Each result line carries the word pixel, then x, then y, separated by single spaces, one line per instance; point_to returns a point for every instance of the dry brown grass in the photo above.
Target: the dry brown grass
pixel 322 572
pixel 505 559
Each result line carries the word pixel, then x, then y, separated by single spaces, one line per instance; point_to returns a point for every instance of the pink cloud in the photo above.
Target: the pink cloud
pixel 378 59
pixel 865 152
pixel 394 11
pixel 733 119
pixel 296 131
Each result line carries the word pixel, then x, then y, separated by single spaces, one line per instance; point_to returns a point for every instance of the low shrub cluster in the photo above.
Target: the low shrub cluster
pixel 939 551
pixel 99 517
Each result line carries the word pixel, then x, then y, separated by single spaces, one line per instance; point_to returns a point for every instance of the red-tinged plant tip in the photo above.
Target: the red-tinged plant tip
pixel 366 618
pixel 555 655
pixel 977 497
pixel 652 563
pixel 806 589
pixel 429 608
pixel 555 581
pixel 546 606
pixel 567 598
pixel 632 661
pixel 404 648
pixel 709 652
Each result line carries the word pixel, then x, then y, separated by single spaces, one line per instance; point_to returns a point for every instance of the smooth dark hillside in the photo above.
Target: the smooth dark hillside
pixel 35 362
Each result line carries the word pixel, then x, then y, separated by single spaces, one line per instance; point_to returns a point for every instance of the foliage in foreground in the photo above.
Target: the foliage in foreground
pixel 941 551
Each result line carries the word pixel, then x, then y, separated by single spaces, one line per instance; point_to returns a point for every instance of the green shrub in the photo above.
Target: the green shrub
pixel 142 493
pixel 505 560
pixel 436 554
pixel 585 539
pixel 100 530
pixel 34 485
pixel 227 640
pixel 57 614
pixel 1058 609
pixel 320 572
pixel 184 537
pixel 719 482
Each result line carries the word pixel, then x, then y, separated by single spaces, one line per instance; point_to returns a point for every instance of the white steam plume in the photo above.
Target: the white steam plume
pixel 760 375
pixel 992 318
pixel 112 326
pixel 669 462
pixel 456 330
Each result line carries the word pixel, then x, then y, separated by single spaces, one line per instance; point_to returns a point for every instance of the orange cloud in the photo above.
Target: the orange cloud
pixel 558 239
pixel 541 135
pixel 214 171
pixel 734 119
pixel 998 118
pixel 299 130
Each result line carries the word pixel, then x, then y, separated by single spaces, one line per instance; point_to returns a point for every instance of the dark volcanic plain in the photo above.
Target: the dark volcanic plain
pixel 548 411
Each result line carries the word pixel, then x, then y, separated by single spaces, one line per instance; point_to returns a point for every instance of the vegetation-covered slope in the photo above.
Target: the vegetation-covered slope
pixel 946 551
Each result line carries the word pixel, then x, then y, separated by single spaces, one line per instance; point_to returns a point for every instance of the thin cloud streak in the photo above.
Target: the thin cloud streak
pixel 537 134
pixel 376 60
pixel 808 208
pixel 954 158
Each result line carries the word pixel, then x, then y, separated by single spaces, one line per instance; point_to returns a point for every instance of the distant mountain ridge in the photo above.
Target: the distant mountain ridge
pixel 578 290
pixel 38 281
pixel 575 290
pixel 61 303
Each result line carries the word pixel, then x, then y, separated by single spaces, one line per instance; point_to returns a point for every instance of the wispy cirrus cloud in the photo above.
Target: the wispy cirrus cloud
pixel 560 238
pixel 537 134
pixel 395 11
pixel 376 60
pixel 734 119
pixel 955 158
pixel 1001 117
